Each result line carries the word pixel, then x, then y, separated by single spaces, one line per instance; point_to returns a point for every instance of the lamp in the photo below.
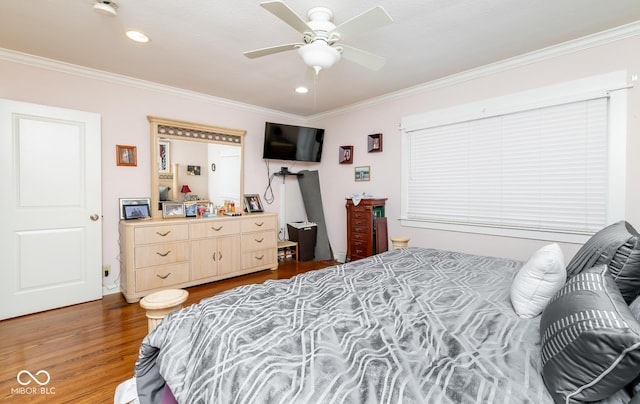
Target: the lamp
pixel 319 55
pixel 185 190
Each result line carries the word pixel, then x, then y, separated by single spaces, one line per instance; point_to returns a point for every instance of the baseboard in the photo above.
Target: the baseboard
pixel 110 289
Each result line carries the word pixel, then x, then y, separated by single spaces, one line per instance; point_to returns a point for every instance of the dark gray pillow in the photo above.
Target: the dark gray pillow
pixel 618 246
pixel 590 339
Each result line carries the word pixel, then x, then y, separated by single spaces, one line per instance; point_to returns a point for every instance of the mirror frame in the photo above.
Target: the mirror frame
pixel 190 131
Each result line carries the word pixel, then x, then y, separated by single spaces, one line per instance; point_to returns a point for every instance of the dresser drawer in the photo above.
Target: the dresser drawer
pixel 214 228
pixel 162 276
pixel 161 234
pixel 258 223
pixel 161 254
pixel 259 240
pixel 259 258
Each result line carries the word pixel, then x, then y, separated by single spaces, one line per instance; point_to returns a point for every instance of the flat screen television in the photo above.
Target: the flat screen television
pixel 291 142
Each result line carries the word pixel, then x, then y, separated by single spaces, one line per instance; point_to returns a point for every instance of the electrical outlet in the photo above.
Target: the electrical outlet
pixel 106 268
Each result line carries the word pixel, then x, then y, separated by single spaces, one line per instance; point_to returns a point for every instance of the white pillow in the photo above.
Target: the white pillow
pixel 538 280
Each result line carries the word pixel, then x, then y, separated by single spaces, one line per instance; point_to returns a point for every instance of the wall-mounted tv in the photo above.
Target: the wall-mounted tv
pixel 291 142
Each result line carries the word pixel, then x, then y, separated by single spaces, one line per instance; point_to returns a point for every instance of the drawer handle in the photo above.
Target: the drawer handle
pixel 260 257
pixel 163 255
pixel 216 229
pixel 163 234
pixel 213 256
pixel 259 241
pixel 258 224
pixel 163 277
pixel 219 256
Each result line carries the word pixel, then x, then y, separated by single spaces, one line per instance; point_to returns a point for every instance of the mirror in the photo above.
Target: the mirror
pixel 195 162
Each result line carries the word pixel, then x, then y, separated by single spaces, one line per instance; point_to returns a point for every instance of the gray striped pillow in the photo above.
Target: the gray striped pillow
pixel 590 339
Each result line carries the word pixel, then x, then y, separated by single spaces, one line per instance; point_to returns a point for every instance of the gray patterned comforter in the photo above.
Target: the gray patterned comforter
pixel 407 326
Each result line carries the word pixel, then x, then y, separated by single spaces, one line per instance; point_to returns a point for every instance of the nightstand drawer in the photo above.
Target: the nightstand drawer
pixel 161 234
pixel 161 254
pixel 160 277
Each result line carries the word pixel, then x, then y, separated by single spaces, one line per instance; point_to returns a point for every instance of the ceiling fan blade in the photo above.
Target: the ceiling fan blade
pixel 282 11
pixel 366 59
pixel 369 20
pixel 271 50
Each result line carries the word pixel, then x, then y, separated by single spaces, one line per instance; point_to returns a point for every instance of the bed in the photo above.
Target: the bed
pixel 411 325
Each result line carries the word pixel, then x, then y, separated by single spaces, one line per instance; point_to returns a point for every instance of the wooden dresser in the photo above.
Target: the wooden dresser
pixel 366 228
pixel 176 253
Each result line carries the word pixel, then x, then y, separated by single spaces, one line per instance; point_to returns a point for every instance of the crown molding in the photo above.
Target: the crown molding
pixel 587 42
pixel 565 48
pixel 87 72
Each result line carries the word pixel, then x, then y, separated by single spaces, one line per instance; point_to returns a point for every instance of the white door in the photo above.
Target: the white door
pixel 51 231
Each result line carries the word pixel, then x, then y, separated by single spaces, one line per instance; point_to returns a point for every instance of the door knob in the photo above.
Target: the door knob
pixel 94 217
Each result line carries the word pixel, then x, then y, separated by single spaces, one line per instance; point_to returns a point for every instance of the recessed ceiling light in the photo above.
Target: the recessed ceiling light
pixel 108 7
pixel 302 90
pixel 137 36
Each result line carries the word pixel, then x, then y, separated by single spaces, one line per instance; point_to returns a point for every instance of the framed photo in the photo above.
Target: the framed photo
pixel 172 209
pixel 374 143
pixel 132 201
pixel 363 173
pixel 191 209
pixel 193 170
pixel 164 156
pixel 346 155
pixel 252 203
pixel 126 155
pixel 136 211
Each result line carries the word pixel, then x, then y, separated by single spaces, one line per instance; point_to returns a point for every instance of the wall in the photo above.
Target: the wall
pixel 351 127
pixel 124 107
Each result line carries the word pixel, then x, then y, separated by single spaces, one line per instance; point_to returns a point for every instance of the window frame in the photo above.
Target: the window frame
pixel 612 85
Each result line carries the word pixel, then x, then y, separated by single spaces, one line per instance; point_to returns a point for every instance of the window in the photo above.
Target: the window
pixel 540 162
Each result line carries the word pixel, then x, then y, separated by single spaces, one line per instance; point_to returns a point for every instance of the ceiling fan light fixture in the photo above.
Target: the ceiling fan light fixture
pixel 319 55
pixel 107 7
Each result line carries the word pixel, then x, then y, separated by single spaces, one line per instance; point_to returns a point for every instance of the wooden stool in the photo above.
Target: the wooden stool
pixel 286 245
pixel 159 304
pixel 399 242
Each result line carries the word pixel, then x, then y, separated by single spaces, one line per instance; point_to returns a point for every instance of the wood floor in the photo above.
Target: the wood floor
pixel 88 349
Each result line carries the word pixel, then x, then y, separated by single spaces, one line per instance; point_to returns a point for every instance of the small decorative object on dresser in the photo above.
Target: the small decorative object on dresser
pixel 126 155
pixel 252 203
pixel 171 209
pixel 135 212
pixel 132 201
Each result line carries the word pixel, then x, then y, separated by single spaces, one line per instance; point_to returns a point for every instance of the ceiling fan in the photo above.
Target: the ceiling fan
pixel 321 47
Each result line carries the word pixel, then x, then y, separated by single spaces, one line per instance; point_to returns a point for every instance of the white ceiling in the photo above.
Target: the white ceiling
pixel 197 45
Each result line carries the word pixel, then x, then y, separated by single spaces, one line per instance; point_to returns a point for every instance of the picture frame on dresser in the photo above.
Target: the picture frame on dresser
pixel 140 211
pixel 131 201
pixel 172 210
pixel 252 203
pixel 191 209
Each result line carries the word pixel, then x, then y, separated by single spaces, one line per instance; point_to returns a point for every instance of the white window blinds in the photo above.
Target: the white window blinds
pixel 539 169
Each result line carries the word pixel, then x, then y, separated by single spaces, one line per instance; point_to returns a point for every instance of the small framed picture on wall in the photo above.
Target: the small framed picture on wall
pixel 363 173
pixel 346 155
pixel 126 155
pixel 374 143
